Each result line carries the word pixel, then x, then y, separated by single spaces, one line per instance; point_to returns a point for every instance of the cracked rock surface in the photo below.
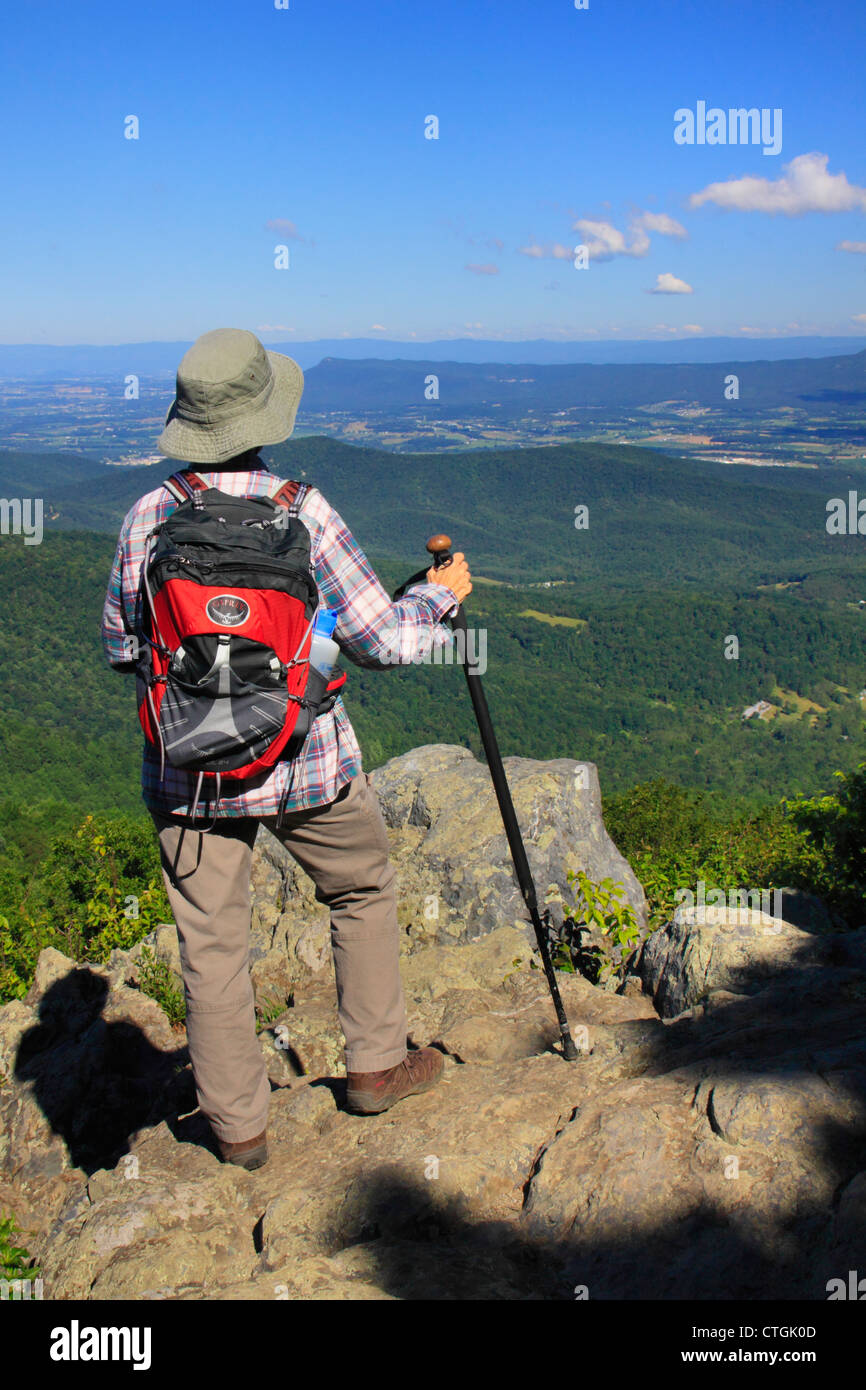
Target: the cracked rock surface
pixel 710 1141
pixel 721 1153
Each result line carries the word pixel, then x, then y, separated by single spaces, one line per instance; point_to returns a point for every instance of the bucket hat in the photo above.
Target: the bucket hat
pixel 231 395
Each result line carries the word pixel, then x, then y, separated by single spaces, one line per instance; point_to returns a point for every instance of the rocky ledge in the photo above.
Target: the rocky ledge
pixel 709 1142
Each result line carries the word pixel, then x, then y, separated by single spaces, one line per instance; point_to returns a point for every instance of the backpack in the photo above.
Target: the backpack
pixel 226 607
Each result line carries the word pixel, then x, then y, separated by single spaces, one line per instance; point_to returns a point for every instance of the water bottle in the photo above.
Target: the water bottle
pixel 324 651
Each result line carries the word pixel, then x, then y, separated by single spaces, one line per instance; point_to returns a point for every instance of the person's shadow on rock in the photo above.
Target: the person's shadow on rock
pixel 98 1082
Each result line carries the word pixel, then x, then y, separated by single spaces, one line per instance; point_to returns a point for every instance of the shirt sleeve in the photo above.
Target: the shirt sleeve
pixel 372 629
pixel 118 641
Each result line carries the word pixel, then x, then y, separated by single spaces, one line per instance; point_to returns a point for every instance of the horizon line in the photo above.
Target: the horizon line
pixel 768 335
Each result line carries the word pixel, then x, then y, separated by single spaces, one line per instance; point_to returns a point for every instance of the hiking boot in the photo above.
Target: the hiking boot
pixel 249 1153
pixel 371 1092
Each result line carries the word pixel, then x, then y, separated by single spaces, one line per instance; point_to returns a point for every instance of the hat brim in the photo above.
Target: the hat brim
pixel 270 424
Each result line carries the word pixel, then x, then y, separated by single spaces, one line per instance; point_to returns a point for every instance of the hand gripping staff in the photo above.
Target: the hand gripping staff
pixel 440 548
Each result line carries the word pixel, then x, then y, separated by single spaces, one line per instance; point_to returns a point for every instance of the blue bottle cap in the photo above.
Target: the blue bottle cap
pixel 325 622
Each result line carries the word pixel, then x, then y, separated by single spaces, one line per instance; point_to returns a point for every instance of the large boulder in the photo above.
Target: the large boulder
pixel 455 877
pixel 288 927
pixel 704 949
pixel 162 1220
pixel 450 844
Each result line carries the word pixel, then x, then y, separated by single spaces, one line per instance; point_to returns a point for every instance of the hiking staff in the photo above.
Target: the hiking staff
pixel 439 547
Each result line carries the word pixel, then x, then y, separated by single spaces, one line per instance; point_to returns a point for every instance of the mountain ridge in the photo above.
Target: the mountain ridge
pixel 42 360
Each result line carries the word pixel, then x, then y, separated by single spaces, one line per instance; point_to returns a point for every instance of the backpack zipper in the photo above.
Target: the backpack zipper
pixel 208 566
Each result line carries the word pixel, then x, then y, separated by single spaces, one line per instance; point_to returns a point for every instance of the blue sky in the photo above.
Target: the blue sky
pixel 305 127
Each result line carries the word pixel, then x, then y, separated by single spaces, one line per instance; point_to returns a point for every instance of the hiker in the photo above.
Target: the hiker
pixel 234 397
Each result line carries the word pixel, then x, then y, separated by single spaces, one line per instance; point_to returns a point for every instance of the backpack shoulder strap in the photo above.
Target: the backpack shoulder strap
pixel 291 495
pixel 185 484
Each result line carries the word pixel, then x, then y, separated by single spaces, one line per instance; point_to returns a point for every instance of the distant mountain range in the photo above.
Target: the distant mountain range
pixel 44 361
pixel 374 385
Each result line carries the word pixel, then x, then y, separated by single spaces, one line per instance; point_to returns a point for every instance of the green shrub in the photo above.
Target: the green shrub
pixel 674 837
pixel 156 980
pixel 600 905
pixel 270 1010
pixel 99 887
pixel 836 827
pixel 15 1261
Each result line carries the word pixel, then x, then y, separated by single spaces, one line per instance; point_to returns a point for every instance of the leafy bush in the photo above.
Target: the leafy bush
pixel 98 887
pixel 598 905
pixel 836 827
pixel 156 980
pixel 15 1261
pixel 674 837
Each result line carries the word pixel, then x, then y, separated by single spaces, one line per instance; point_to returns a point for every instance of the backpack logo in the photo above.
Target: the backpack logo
pixel 227 610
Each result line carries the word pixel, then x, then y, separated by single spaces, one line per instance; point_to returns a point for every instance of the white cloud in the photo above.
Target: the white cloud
pixel 669 284
pixel 283 227
pixel 858 318
pixel 603 240
pixel 661 223
pixel 804 186
pixel 676 328
pixel 857 248
pixel 274 328
pixel 552 251
pixel 377 328
pixel 766 332
pixel 483 269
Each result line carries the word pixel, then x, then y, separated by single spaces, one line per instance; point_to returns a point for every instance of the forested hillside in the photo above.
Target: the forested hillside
pixel 650 520
pixel 636 642
pixel 639 684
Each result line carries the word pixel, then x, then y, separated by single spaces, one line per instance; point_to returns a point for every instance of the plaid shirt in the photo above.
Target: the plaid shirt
pixel 371 631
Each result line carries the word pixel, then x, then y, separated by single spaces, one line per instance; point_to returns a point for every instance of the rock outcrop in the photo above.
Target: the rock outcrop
pixel 717 1151
pixel 703 949
pixel 721 1154
pixel 454 874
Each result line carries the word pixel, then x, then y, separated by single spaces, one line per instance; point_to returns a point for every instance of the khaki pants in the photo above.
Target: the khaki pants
pixel 344 848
